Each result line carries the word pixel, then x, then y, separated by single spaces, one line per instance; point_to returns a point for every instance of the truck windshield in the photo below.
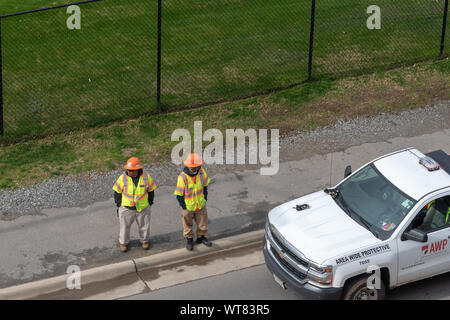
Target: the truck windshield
pixel 374 202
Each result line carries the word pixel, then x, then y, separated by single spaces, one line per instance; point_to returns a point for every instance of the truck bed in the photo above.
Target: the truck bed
pixel 442 158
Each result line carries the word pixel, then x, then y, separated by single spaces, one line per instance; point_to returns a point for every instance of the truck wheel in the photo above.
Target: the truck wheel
pixel 356 289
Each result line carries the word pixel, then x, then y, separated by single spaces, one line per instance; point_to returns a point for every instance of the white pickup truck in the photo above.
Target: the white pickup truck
pixel 385 225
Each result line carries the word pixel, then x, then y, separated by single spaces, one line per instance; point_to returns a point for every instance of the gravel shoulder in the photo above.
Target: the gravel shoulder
pixel 84 189
pixel 71 220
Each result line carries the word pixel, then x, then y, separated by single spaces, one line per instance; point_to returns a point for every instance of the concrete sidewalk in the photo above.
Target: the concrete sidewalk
pixel 41 246
pixel 147 274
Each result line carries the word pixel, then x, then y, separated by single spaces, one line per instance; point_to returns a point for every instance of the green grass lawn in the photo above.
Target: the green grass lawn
pixel 301 108
pixel 12 6
pixel 58 80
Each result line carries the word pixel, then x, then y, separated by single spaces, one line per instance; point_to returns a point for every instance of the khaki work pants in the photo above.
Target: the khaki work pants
pixel 201 219
pixel 126 219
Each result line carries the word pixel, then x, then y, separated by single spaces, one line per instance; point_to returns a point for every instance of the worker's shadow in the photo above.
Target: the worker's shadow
pixel 137 244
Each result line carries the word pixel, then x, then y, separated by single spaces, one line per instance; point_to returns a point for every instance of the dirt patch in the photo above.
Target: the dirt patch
pixel 126 152
pixel 343 61
pixel 371 96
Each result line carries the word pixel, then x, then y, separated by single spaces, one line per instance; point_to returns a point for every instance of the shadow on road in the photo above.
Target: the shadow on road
pixel 434 288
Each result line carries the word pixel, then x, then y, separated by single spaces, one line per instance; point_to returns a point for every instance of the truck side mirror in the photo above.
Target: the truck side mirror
pixel 415 235
pixel 348 171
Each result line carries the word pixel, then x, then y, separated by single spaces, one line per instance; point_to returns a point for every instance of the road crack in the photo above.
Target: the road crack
pixel 140 278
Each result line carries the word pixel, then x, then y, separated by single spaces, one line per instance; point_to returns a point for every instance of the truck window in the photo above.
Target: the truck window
pixel 434 216
pixel 373 198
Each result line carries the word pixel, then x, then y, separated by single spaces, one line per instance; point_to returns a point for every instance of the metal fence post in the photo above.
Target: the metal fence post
pixel 1 82
pixel 444 27
pixel 158 71
pixel 311 38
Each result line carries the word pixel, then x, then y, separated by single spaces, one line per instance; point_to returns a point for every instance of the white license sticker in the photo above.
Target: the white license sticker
pixel 278 280
pixel 407 204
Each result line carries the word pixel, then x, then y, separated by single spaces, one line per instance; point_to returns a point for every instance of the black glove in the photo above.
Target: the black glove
pixel 151 196
pixel 181 202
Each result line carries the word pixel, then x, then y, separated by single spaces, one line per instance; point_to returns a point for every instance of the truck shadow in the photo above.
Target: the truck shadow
pixel 435 288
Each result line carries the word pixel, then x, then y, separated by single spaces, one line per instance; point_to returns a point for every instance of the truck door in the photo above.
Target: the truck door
pixel 419 260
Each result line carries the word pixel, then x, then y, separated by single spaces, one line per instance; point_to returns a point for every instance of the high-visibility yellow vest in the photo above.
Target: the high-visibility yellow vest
pixel 447 218
pixel 191 190
pixel 135 195
pixel 428 206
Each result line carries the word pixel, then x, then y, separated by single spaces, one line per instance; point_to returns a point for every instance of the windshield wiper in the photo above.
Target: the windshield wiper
pixel 334 193
pixel 337 196
pixel 368 226
pixel 365 222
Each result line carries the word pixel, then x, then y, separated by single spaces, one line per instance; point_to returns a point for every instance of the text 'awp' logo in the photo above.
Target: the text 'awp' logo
pixel 425 249
pixel 435 247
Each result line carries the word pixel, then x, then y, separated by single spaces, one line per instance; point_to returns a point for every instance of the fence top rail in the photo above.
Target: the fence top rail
pixel 46 8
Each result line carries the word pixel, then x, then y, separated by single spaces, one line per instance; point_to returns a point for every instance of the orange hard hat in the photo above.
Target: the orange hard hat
pixel 193 160
pixel 133 164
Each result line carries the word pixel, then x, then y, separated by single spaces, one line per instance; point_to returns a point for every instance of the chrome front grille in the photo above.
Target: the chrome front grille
pixel 283 254
pixel 289 252
pixel 296 272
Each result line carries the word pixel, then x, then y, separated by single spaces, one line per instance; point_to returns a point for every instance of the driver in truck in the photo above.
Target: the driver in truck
pixel 435 214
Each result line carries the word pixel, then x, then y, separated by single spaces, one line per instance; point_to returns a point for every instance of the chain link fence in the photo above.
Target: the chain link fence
pixel 352 42
pixel 57 80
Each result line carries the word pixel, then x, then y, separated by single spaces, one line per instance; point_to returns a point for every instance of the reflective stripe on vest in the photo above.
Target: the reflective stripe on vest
pixel 448 216
pixel 125 190
pixel 194 199
pixel 145 186
pixel 203 177
pixel 186 189
pixel 429 204
pixel 179 189
pixel 118 187
pixel 133 197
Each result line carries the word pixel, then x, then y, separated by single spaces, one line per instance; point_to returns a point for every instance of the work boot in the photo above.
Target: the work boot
pixel 205 241
pixel 123 248
pixel 190 244
pixel 145 245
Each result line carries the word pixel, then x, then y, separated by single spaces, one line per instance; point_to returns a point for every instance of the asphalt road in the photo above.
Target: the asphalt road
pixel 257 283
pixel 254 283
pixel 45 243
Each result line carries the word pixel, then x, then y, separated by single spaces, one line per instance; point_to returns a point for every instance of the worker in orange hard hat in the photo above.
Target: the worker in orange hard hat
pixel 134 194
pixel 192 193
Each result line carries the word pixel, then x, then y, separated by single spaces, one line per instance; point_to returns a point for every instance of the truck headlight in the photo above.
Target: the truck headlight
pixel 319 274
pixel 269 227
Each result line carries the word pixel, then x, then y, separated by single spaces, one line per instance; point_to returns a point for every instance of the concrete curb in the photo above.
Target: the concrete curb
pixel 113 271
pixel 165 259
pixel 36 288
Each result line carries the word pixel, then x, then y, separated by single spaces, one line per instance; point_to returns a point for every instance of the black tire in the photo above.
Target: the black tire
pixel 356 289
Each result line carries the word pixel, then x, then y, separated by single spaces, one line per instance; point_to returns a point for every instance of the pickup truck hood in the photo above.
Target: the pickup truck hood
pixel 321 232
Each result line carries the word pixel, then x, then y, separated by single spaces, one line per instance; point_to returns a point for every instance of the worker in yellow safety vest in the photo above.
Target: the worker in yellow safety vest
pixel 192 193
pixel 134 192
pixel 427 215
pixel 446 202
